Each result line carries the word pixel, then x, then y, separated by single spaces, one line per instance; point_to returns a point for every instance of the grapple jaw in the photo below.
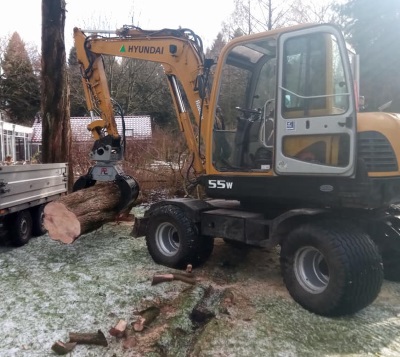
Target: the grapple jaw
pixel 129 189
pixel 106 172
pixel 82 182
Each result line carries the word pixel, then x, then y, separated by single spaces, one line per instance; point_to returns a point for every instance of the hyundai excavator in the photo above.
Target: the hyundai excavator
pixel 282 152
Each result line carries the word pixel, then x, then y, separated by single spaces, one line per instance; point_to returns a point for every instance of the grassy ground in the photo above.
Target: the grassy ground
pixel 49 289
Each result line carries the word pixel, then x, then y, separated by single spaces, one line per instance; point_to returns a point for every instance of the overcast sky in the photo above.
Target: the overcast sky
pixel 204 17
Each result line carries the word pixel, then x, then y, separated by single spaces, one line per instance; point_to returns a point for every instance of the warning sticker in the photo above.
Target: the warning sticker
pixel 290 125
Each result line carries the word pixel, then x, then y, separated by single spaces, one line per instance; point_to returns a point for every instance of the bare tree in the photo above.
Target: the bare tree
pixel 56 138
pixel 252 16
pixel 312 11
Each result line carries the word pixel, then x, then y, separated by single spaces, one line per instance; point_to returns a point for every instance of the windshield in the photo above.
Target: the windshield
pixel 247 85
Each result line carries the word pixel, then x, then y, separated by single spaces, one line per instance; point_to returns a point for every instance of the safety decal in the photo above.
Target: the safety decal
pixel 290 125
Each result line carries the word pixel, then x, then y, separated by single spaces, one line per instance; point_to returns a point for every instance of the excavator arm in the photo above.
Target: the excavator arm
pixel 180 53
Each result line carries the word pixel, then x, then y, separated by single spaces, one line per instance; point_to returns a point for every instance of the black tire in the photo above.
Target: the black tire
pixel 173 240
pixel 38 228
pixel 389 246
pixel 331 268
pixel 21 228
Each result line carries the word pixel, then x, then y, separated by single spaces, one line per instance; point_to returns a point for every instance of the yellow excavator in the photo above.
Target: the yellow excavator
pixel 282 152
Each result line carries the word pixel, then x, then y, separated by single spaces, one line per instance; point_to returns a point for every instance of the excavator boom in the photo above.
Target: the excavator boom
pixel 180 53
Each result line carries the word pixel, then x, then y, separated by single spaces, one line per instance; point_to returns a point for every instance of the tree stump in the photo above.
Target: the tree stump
pixel 82 211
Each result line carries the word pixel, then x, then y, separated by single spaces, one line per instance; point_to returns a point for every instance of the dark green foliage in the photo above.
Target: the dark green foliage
pixel 373 29
pixel 19 85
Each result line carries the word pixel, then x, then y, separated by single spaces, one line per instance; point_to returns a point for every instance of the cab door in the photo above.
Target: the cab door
pixel 315 126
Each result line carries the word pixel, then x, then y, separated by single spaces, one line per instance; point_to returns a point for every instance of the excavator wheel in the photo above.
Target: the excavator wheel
pixel 173 240
pixel 331 268
pixel 129 189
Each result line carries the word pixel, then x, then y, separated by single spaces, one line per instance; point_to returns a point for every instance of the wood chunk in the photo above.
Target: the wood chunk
pixel 147 316
pixel 130 342
pixel 89 338
pixel 189 268
pixel 186 278
pixel 138 326
pixel 162 278
pixel 62 348
pixel 119 329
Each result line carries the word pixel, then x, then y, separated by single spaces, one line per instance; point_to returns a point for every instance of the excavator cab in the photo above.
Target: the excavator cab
pixel 287 105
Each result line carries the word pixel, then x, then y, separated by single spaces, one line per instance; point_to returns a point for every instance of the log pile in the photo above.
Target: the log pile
pixel 150 323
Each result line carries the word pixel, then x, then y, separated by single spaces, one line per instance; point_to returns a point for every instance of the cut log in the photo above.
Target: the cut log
pixel 161 278
pixel 62 348
pixel 82 211
pixel 89 338
pixel 119 329
pixel 147 316
pixel 188 278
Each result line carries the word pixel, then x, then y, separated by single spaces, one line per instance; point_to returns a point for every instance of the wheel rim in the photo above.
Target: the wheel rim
pixel 23 228
pixel 167 239
pixel 311 270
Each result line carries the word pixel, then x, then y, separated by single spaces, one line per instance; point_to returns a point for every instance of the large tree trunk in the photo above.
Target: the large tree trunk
pixel 56 137
pixel 82 211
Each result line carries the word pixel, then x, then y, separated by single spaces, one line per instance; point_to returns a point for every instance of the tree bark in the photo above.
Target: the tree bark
pixel 56 137
pixel 82 211
pixel 210 304
pixel 89 338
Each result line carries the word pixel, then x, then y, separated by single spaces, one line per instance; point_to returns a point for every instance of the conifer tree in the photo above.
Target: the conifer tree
pixel 19 86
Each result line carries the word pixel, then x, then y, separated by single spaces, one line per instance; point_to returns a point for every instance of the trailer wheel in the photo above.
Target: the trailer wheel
pixel 21 228
pixel 331 268
pixel 173 240
pixel 38 228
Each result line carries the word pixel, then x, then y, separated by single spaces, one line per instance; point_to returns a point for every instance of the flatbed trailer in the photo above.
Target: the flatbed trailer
pixel 24 192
